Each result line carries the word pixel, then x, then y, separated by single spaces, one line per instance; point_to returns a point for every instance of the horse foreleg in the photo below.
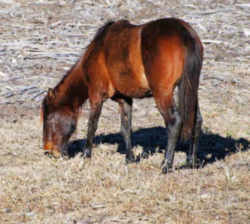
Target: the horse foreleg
pixel 92 126
pixel 126 123
pixel 193 147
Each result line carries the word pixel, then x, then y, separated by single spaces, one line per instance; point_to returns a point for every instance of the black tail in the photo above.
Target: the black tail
pixel 188 89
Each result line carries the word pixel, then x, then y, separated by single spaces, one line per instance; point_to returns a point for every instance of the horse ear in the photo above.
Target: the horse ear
pixel 51 94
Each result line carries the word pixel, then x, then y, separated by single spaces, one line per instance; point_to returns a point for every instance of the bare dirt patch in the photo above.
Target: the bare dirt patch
pixel 40 40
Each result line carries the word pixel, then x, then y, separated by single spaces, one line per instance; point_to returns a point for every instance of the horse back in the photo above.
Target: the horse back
pixel 134 60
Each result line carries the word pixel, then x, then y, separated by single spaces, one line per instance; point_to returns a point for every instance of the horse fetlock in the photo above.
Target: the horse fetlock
pixel 167 166
pixel 130 158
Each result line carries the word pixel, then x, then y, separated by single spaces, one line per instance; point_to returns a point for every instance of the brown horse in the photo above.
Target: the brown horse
pixel 126 61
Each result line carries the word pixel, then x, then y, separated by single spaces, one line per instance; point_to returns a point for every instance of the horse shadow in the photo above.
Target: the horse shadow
pixel 212 147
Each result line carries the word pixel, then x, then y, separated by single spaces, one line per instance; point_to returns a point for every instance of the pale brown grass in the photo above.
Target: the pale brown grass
pixel 36 189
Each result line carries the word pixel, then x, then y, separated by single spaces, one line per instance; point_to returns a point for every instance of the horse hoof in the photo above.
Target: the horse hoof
pixel 166 166
pixel 86 153
pixel 144 155
pixel 192 165
pixel 130 159
pixel 166 170
pixel 65 155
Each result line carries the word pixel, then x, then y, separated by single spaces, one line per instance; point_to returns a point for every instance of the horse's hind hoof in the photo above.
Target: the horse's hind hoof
pixel 192 165
pixel 166 170
pixel 166 167
pixel 129 161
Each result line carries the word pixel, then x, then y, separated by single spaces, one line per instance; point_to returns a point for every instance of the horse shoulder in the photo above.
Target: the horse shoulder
pixel 97 75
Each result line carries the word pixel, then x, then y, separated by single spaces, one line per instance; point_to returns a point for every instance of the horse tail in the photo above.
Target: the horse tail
pixel 189 83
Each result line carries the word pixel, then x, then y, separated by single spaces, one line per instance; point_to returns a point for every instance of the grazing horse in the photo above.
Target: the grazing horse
pixel 126 61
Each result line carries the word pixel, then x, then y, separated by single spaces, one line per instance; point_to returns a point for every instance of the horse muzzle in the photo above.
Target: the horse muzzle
pixel 50 149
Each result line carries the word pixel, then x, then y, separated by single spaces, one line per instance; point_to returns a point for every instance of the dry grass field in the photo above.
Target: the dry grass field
pixel 40 40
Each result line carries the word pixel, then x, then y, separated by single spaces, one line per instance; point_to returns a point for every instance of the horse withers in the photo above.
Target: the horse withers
pixel 126 61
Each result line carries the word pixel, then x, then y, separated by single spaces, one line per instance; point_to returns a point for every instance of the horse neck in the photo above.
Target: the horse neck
pixel 72 91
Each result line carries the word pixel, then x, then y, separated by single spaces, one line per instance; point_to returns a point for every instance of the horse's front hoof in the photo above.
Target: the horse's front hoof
pixel 86 153
pixel 130 159
pixel 144 155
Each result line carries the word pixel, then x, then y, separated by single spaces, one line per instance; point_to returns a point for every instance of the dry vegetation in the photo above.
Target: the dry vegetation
pixel 40 40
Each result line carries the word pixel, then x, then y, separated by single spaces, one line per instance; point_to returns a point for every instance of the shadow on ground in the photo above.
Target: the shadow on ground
pixel 213 147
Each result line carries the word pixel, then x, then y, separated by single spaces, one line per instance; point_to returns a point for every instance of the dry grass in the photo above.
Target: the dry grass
pixel 35 189
pixel 41 39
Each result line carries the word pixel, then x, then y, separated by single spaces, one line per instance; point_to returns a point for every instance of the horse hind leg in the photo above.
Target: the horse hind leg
pixel 172 119
pixel 194 143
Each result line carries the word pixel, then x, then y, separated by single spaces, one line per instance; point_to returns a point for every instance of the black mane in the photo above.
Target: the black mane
pixel 98 36
pixel 102 30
